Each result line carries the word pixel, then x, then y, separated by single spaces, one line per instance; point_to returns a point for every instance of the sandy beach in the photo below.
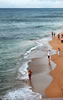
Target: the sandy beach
pixel 55 89
pixel 46 80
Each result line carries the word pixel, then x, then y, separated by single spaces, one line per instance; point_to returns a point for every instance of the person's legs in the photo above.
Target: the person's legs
pixel 30 77
pixel 49 59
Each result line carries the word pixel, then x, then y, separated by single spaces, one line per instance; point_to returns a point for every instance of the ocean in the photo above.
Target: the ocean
pixel 21 32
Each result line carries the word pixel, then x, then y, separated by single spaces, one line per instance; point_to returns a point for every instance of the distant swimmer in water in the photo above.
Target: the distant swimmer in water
pixel 29 74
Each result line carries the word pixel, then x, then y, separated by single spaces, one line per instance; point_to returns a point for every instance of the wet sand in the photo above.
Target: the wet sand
pixel 40 74
pixel 55 89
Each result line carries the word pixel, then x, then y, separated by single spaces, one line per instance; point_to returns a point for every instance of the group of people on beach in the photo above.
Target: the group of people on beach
pixel 58 36
pixel 58 51
pixel 53 35
pixel 49 52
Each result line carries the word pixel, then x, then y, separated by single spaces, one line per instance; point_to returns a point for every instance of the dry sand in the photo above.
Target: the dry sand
pixel 55 89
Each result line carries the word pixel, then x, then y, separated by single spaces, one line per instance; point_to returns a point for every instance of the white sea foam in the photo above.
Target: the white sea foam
pixel 29 51
pixel 22 94
pixel 22 72
pixel 44 42
pixel 39 43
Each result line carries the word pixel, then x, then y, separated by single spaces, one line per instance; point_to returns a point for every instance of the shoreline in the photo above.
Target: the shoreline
pixel 40 73
pixel 55 89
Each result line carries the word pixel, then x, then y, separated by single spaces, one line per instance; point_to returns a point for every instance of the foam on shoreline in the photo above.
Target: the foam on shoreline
pixel 40 70
pixel 36 56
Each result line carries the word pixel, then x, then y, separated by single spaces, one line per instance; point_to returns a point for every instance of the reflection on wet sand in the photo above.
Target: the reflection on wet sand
pixel 30 84
pixel 50 66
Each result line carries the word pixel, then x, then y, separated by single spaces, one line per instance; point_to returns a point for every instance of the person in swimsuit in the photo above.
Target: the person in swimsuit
pixel 58 51
pixel 49 56
pixel 29 74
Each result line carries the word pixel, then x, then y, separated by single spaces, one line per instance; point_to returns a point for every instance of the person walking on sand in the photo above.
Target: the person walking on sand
pixel 29 74
pixel 49 56
pixel 58 51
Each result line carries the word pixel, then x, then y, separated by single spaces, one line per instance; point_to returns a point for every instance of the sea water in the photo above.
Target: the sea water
pixel 21 32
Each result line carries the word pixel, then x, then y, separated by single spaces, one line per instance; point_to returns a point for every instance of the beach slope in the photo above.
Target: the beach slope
pixel 55 89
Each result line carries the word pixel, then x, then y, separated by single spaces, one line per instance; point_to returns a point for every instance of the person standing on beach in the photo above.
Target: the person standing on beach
pixel 58 51
pixel 29 74
pixel 49 56
pixel 62 38
pixel 52 35
pixel 58 36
